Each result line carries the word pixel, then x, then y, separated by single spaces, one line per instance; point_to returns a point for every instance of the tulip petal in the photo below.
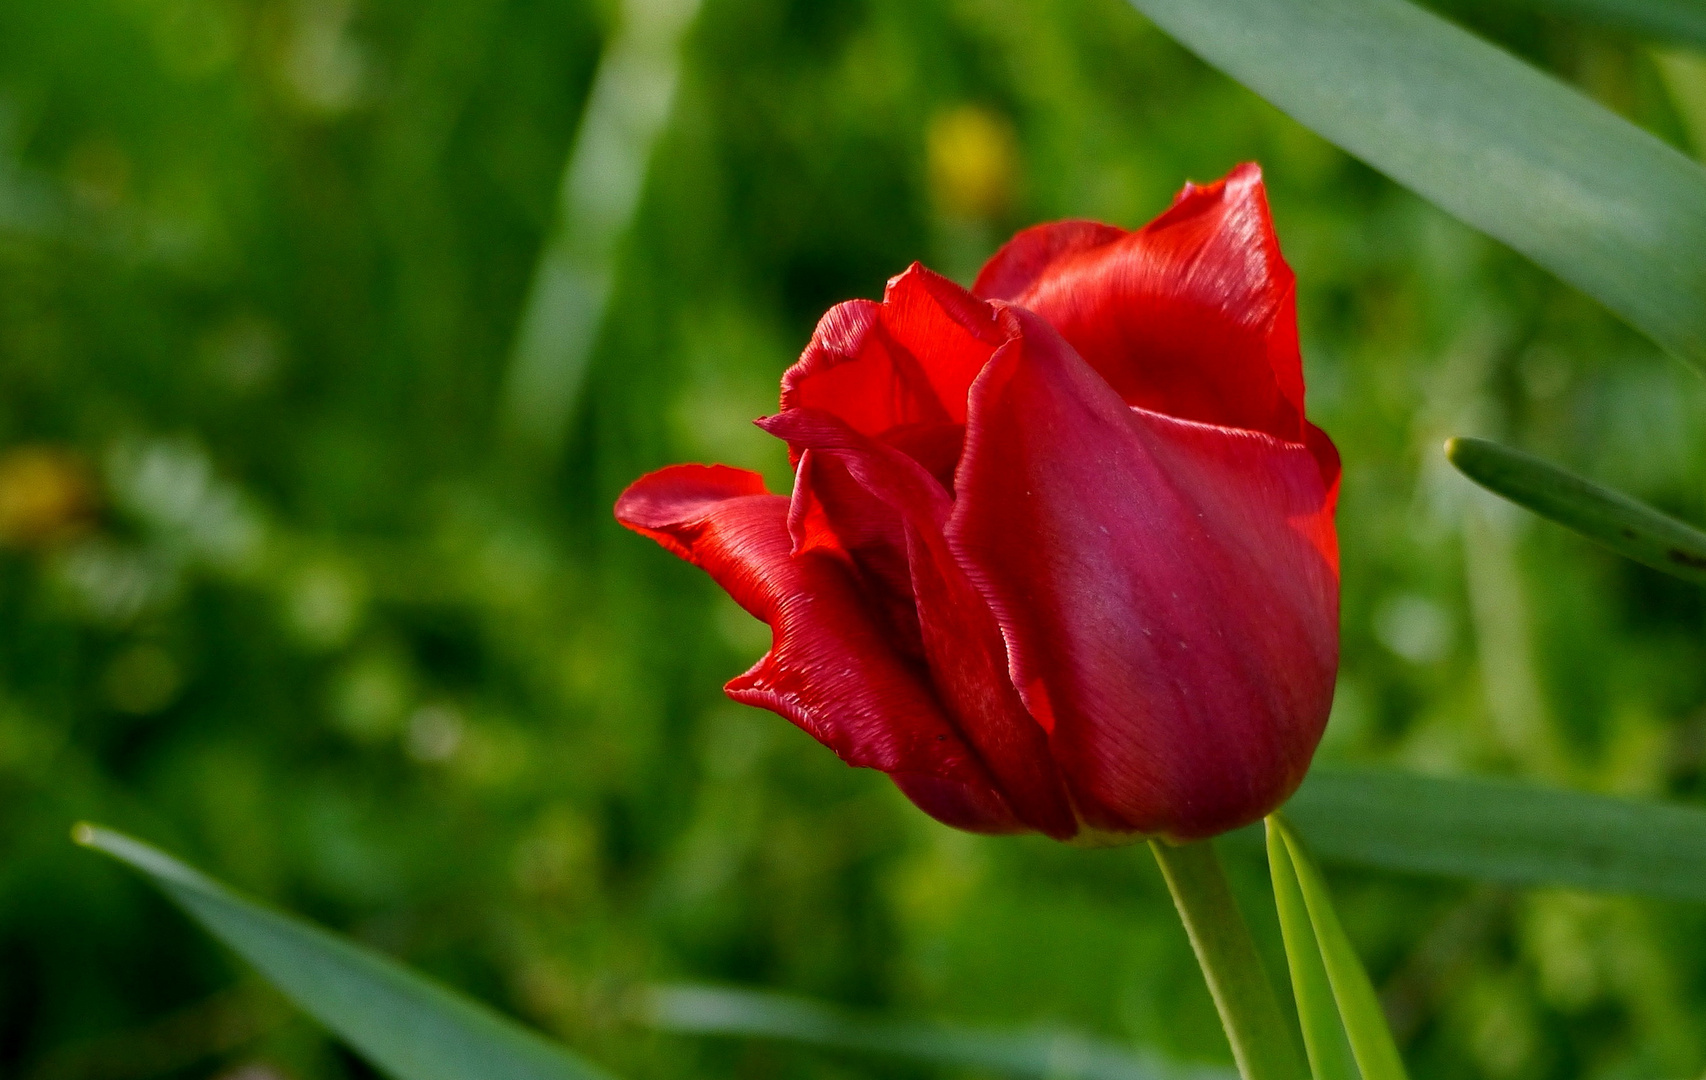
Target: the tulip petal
pixel 899 372
pixel 1168 590
pixel 1033 251
pixel 961 640
pixel 1327 458
pixel 831 669
pixel 1193 316
pixel 900 369
pixel 972 807
pixel 831 512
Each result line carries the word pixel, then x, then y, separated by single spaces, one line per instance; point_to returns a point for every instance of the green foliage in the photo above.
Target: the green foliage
pixel 1622 524
pixel 1665 20
pixel 1050 1054
pixel 408 1026
pixel 1359 1007
pixel 1587 195
pixel 1324 1038
pixel 1263 1044
pixel 1504 832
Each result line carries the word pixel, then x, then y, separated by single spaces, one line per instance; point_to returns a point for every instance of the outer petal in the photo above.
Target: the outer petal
pixel 1168 591
pixel 899 370
pixel 959 636
pixel 1193 316
pixel 1327 457
pixel 830 669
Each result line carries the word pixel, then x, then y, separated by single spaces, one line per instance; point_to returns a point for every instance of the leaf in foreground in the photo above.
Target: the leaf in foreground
pixel 1359 1007
pixel 1046 1055
pixel 1630 528
pixel 406 1025
pixel 1323 1033
pixel 1512 151
pixel 1490 830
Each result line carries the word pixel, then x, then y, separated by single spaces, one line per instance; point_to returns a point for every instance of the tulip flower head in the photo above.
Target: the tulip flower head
pixel 1060 553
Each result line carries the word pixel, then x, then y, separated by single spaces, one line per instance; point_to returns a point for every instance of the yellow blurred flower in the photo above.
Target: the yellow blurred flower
pixel 46 495
pixel 974 162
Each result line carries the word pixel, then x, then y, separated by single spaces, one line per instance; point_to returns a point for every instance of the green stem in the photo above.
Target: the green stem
pixel 1262 1042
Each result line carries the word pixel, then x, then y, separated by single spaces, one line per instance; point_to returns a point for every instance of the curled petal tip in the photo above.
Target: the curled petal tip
pixel 677 493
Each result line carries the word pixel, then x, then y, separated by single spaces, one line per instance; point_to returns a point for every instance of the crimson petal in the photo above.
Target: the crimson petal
pixel 1168 590
pixel 832 512
pixel 1033 251
pixel 901 369
pixel 961 640
pixel 1193 316
pixel 830 669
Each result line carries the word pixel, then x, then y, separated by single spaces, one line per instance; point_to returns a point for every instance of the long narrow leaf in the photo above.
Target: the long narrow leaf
pixel 407 1026
pixel 1503 832
pixel 1323 1034
pixel 1584 193
pixel 1047 1055
pixel 1359 1007
pixel 1630 528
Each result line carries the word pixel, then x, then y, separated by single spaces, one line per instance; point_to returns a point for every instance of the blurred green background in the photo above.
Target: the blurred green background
pixel 309 432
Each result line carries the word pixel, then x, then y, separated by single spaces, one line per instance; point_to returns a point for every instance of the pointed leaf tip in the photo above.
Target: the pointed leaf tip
pixel 1629 527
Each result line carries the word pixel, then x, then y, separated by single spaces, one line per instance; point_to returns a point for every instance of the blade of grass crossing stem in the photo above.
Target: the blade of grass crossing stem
pixel 1512 151
pixel 1630 528
pixel 1323 1034
pixel 1359 1007
pixel 1262 1041
pixel 407 1026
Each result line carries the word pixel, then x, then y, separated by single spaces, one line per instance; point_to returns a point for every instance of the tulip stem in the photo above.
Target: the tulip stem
pixel 1262 1041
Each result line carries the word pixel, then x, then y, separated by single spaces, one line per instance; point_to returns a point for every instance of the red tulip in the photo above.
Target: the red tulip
pixel 1060 552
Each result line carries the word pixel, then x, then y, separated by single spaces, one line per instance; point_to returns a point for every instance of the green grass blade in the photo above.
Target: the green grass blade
pixel 1323 1034
pixel 1630 528
pixel 1359 1007
pixel 407 1026
pixel 692 1009
pixel 1504 832
pixel 1510 150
